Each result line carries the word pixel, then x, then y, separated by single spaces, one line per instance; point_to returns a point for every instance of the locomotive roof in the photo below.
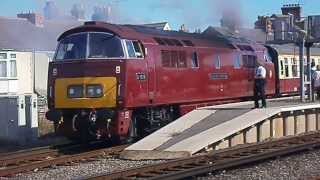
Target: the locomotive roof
pixel 147 34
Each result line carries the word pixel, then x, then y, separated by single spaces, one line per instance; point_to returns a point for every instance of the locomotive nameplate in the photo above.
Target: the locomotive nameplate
pixel 218 76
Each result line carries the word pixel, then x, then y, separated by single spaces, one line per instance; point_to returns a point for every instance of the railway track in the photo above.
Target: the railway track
pixel 218 160
pixel 34 159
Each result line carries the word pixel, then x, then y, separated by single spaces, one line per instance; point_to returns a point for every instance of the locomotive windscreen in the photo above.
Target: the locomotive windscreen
pixel 89 45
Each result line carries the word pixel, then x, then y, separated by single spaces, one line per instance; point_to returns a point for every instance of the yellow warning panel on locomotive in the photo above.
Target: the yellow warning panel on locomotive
pixel 85 92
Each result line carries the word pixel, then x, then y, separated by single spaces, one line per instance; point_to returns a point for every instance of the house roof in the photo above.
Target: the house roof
pixel 160 26
pixel 20 34
pixel 224 34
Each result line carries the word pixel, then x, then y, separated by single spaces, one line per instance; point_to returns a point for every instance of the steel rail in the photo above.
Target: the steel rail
pixel 34 153
pixel 63 159
pixel 220 159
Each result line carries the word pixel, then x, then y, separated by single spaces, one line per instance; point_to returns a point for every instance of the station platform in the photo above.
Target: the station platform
pixel 221 126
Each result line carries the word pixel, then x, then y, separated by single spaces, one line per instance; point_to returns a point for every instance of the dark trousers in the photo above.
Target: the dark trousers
pixel 317 90
pixel 259 92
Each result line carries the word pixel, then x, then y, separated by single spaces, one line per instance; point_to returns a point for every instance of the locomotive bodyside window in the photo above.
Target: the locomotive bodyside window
pixel 182 59
pixel 217 62
pixel 249 61
pixel 165 57
pixel 237 61
pixel 173 59
pixel 194 62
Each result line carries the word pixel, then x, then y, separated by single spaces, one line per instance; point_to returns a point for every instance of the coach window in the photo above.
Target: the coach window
pixel 281 68
pixel 217 62
pixel 294 67
pixel 194 63
pixel 286 67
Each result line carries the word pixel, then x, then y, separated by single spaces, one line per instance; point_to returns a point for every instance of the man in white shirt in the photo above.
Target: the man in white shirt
pixel 259 85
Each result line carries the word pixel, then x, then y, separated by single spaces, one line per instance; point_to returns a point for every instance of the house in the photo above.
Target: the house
pixel 27 44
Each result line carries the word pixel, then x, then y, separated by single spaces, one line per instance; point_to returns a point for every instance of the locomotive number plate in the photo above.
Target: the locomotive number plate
pixel 140 76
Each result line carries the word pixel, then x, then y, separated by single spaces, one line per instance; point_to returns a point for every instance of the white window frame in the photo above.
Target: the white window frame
pixel 8 66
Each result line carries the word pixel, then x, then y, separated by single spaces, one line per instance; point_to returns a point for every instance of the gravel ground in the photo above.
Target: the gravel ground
pixel 294 167
pixel 106 165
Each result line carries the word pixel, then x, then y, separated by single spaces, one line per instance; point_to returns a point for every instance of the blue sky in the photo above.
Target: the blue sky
pixel 192 13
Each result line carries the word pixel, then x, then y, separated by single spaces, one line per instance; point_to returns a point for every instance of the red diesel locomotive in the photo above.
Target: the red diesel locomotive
pixel 125 81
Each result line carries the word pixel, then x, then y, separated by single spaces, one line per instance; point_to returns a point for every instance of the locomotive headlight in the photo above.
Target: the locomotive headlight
pixel 94 91
pixel 75 91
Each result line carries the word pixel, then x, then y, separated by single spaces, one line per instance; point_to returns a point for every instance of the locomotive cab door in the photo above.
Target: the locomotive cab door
pixel 151 73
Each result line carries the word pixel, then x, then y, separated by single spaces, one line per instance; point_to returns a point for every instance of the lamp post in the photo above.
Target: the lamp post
pixel 301 62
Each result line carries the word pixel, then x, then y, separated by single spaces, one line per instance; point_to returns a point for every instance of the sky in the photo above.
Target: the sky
pixel 192 13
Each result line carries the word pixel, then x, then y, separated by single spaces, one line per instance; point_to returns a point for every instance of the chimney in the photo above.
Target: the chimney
pixel 34 18
pixel 294 9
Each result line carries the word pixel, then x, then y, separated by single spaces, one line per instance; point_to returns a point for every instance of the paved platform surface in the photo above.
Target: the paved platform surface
pixel 200 127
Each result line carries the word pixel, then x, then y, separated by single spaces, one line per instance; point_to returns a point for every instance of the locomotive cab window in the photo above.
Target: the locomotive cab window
pixel 90 45
pixel 72 47
pixel 134 49
pixel 102 45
